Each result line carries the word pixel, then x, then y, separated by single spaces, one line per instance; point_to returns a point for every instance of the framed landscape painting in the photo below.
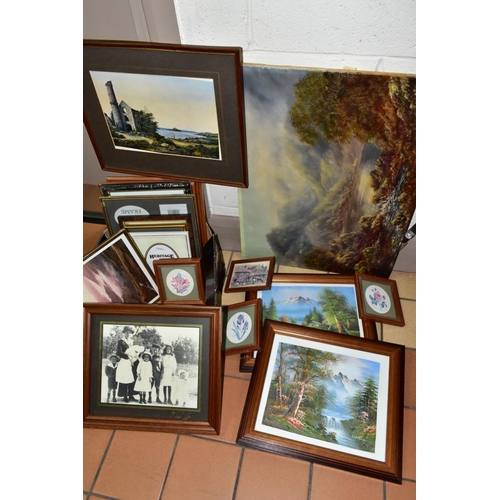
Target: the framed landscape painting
pixel 332 399
pixel 152 368
pixel 346 142
pixel 163 109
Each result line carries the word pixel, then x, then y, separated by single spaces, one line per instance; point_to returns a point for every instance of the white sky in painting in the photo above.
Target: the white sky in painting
pixel 184 103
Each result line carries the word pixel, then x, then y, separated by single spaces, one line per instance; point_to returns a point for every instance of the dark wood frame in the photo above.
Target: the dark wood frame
pixel 247 359
pixel 391 288
pixel 197 272
pixel 255 305
pixel 389 469
pixel 265 286
pixel 196 190
pixel 169 419
pixel 224 65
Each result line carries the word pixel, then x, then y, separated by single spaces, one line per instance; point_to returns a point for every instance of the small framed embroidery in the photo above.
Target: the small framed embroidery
pixel 378 299
pixel 242 325
pixel 180 281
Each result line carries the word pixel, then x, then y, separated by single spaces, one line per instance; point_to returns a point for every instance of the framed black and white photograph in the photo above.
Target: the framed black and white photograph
pixel 250 274
pixel 328 398
pixel 116 272
pixel 164 109
pixel 152 368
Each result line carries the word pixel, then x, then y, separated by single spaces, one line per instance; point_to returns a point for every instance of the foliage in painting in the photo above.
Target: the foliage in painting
pixel 305 393
pixel 361 193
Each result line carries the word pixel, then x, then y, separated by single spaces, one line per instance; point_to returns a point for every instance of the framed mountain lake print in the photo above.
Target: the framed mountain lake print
pixel 332 399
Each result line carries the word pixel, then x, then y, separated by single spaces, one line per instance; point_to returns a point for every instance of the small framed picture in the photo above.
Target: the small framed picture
pixel 107 279
pixel 180 281
pixel 378 299
pixel 332 399
pixel 242 327
pixel 250 274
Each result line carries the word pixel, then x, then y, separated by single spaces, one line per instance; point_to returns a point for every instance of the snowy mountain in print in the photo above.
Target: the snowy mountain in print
pixel 299 300
pixel 340 389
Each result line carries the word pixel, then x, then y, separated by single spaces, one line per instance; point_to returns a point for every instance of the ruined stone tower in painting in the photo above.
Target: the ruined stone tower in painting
pixel 116 113
pixel 123 117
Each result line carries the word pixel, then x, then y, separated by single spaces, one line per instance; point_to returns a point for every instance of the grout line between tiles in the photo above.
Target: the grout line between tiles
pixel 168 468
pixel 237 479
pixel 101 463
pixel 309 486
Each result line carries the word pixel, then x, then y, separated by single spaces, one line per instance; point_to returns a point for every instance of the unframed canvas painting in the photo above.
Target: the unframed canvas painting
pixel 332 168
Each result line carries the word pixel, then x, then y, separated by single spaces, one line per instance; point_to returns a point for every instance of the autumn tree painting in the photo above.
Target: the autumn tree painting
pixel 345 161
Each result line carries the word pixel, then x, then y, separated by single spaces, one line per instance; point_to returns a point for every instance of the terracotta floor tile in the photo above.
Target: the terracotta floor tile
pixel 94 445
pixel 135 465
pixel 410 378
pixel 405 491
pixel 331 483
pixel 409 444
pixel 202 468
pixel 259 477
pixel 232 367
pixel 404 335
pixel 233 401
pixel 407 284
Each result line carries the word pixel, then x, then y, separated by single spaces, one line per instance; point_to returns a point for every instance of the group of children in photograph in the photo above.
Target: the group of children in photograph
pixel 134 371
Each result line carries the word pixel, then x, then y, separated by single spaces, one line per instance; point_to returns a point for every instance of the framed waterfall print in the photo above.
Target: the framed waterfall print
pixel 166 110
pixel 152 368
pixel 332 399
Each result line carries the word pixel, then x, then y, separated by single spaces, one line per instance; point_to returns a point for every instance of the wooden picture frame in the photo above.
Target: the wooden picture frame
pixel 117 206
pixel 241 327
pixel 193 332
pixel 350 434
pixel 137 185
pixel 297 297
pixel 180 281
pixel 115 271
pixel 250 274
pixel 156 245
pixel 379 299
pixel 205 140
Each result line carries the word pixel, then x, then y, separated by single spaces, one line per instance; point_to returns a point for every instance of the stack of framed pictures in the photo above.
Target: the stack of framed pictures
pixel 149 220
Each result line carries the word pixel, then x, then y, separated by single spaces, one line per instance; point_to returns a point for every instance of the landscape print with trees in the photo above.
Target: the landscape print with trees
pixel 325 397
pixel 325 307
pixel 332 168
